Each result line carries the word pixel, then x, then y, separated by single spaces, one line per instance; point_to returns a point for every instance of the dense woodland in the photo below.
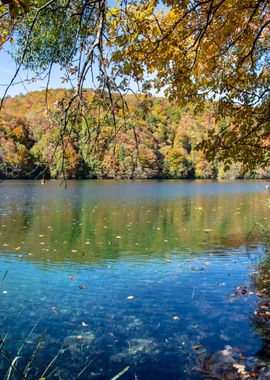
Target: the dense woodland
pixel 210 58
pixel 158 139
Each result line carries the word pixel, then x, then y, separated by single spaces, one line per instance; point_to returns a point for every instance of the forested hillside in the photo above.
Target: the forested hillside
pixel 157 139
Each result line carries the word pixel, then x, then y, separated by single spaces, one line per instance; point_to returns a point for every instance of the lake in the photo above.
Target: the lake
pixel 105 275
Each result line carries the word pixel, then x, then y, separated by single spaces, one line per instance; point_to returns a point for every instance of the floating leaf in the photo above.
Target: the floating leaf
pixel 197 346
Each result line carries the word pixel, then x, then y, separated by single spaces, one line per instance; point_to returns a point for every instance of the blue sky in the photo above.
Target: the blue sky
pixel 7 70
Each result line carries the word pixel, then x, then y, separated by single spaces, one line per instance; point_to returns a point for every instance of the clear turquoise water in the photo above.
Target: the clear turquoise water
pixel 73 256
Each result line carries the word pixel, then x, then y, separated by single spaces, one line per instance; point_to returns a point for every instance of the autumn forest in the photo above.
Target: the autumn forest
pixel 159 139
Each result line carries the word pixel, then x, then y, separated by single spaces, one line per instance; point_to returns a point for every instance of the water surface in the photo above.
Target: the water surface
pixel 128 273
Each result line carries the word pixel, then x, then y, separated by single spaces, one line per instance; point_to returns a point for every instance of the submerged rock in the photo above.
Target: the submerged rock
pixel 78 342
pixel 137 347
pixel 141 345
pixel 226 364
pixel 264 373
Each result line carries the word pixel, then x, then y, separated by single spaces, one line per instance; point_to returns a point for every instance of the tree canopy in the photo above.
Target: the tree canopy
pixel 166 135
pixel 193 50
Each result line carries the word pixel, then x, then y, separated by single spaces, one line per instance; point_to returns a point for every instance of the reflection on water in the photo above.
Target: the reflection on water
pixel 127 274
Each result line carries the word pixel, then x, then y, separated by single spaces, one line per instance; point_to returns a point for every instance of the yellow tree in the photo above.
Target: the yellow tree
pixel 215 50
pixel 193 50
